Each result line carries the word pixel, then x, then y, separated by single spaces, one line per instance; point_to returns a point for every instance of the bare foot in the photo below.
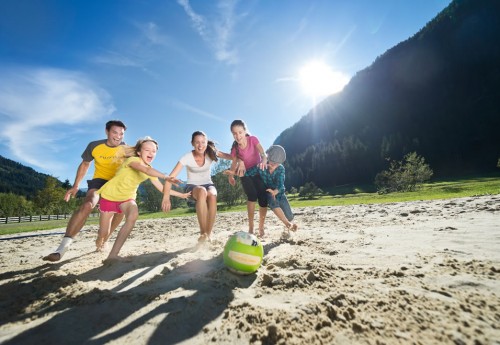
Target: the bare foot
pixel 99 244
pixel 112 261
pixel 202 238
pixel 52 257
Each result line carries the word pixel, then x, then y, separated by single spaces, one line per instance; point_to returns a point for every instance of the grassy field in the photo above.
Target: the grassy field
pixel 345 195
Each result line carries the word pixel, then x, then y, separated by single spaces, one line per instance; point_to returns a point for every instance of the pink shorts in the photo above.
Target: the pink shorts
pixel 111 206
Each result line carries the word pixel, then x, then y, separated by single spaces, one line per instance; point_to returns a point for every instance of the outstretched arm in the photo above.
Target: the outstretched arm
pixel 175 193
pixel 80 174
pixel 165 204
pixel 150 171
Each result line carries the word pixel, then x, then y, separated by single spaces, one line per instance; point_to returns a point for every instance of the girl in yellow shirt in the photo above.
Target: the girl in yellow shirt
pixel 118 194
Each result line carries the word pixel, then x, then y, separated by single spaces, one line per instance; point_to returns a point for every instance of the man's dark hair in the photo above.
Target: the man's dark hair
pixel 116 123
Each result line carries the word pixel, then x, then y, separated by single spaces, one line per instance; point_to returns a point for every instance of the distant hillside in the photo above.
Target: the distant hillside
pixel 19 179
pixel 437 93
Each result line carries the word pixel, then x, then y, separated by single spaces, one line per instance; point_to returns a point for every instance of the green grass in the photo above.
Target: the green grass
pixel 338 196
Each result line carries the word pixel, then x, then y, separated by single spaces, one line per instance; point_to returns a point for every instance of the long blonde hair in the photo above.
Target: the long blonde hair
pixel 128 151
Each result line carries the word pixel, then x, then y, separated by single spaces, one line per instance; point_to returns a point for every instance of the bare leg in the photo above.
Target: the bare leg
pixel 262 219
pixel 104 230
pixel 212 212
pixel 75 225
pixel 117 219
pixel 131 214
pixel 279 212
pixel 251 212
pixel 200 195
pixel 79 217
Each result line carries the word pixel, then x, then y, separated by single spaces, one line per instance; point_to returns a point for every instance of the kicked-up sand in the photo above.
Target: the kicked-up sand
pixel 425 272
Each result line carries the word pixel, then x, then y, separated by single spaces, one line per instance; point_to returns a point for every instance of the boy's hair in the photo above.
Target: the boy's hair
pixel 116 123
pixel 211 149
pixel 276 154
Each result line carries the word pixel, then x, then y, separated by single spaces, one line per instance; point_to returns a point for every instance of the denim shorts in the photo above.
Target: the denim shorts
pixel 210 187
pixel 281 202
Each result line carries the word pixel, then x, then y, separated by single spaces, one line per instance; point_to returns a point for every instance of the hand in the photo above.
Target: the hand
pixel 165 204
pixel 231 180
pixel 229 172
pixel 263 164
pixel 173 180
pixel 186 195
pixel 71 193
pixel 272 192
pixel 241 169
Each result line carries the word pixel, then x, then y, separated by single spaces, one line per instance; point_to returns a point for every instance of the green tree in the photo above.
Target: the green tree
pixel 309 191
pixel 406 175
pixel 226 194
pixel 149 198
pixel 50 199
pixel 12 205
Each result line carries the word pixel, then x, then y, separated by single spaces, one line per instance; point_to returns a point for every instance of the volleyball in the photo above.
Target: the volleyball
pixel 243 253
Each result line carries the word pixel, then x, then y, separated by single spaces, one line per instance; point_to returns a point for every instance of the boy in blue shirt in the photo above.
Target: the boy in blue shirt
pixel 274 180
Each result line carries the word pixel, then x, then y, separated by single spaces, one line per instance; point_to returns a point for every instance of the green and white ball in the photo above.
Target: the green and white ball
pixel 243 253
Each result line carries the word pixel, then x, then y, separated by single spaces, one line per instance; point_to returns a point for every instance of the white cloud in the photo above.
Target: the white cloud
pixel 217 33
pixel 39 105
pixel 194 110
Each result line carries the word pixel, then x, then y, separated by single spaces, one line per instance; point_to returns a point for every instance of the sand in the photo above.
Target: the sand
pixel 423 272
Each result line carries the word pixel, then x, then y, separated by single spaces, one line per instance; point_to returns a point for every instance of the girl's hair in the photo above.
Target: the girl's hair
pixel 211 150
pixel 240 123
pixel 133 151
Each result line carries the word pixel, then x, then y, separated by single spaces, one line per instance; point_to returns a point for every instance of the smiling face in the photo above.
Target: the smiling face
pixel 239 134
pixel 115 136
pixel 199 143
pixel 147 152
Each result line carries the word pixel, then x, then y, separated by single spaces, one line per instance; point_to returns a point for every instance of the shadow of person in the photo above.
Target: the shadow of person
pixel 36 285
pixel 186 298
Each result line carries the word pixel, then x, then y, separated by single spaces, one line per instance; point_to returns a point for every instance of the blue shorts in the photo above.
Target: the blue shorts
pixel 280 202
pixel 209 187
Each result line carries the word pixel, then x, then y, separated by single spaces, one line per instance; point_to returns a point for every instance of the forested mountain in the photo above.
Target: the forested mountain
pixel 437 93
pixel 19 179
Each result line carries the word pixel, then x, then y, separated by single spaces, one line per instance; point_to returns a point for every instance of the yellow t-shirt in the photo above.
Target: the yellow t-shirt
pixel 123 186
pixel 105 158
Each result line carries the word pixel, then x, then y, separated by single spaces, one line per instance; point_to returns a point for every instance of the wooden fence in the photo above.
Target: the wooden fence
pixel 40 218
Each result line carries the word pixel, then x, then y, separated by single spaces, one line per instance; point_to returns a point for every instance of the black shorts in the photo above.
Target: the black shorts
pixel 96 183
pixel 255 189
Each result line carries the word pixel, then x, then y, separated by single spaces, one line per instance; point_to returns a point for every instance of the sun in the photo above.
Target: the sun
pixel 318 79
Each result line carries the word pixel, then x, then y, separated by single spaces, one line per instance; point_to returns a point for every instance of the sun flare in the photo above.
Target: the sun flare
pixel 318 79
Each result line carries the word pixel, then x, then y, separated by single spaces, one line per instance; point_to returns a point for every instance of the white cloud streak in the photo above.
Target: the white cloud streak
pixel 184 106
pixel 39 105
pixel 216 33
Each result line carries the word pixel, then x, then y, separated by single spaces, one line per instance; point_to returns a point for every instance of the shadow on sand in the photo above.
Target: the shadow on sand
pixel 203 289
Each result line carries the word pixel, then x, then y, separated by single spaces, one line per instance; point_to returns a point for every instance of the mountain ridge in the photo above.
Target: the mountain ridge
pixel 435 93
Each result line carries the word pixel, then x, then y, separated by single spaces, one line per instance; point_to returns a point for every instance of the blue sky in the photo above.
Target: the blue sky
pixel 167 68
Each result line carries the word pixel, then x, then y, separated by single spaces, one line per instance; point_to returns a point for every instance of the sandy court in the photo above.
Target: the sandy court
pixel 423 272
